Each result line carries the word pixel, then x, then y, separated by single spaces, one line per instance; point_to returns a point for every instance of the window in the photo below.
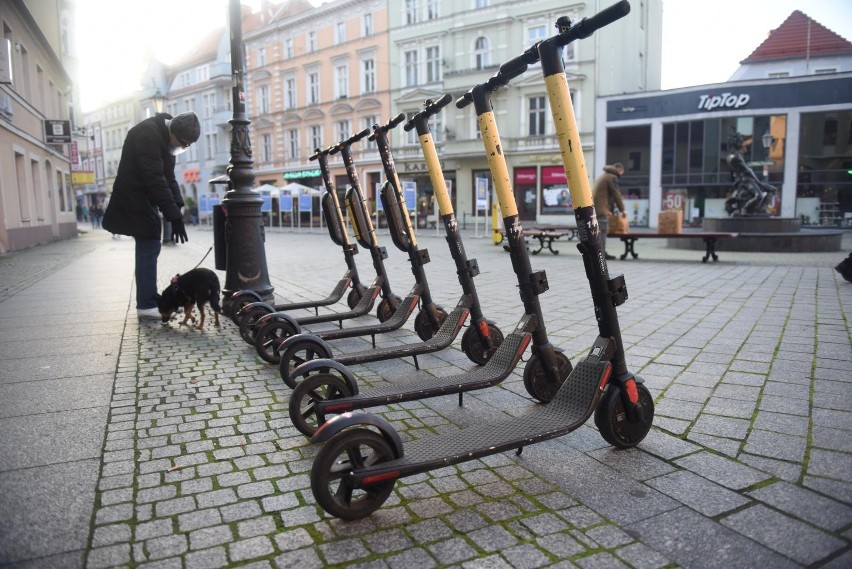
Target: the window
pixel 313 88
pixel 263 99
pixel 411 137
pixel 261 57
pixel 367 25
pixel 368 122
pixel 340 32
pixel 343 129
pixel 433 64
pixel 266 148
pixel 290 93
pixel 368 75
pixel 316 136
pixel 208 101
pixel 535 34
pixel 293 143
pixel 210 141
pixel 482 53
pixel 778 74
pixel 480 3
pixel 341 81
pixel 433 9
pixel 411 11
pixel 288 48
pixel 312 41
pixel 411 64
pixel 825 70
pixel 536 114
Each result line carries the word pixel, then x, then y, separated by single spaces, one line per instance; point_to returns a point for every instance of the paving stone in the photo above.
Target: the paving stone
pixel 240 511
pixel 492 538
pixel 490 562
pixel 108 535
pixel 452 551
pixel 215 498
pixel 343 551
pixel 805 504
pixel 560 544
pixel 776 445
pixel 293 539
pixel 721 426
pixel 609 536
pixel 721 470
pixel 601 560
pixel 525 556
pixel 641 556
pixel 778 468
pixel 411 558
pixel 429 530
pixel 210 537
pixel 111 556
pixel 255 527
pixel 698 493
pixel 387 541
pixel 212 558
pixel 199 519
pixel 302 558
pixel 250 548
pixel 783 534
pixel 176 506
pixel 829 464
pixel 166 546
pixel 692 540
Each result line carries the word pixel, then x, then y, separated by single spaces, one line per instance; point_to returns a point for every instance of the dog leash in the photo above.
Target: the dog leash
pixel 202 258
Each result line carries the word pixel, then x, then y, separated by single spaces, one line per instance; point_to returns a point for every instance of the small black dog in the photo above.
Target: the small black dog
pixel 198 286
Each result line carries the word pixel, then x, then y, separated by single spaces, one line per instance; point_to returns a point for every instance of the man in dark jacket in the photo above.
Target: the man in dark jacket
pixel 607 197
pixel 144 184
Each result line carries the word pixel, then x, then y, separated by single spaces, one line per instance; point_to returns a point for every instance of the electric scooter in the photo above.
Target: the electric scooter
pixel 336 390
pixel 355 471
pixel 272 330
pixel 481 339
pixel 366 237
pixel 339 235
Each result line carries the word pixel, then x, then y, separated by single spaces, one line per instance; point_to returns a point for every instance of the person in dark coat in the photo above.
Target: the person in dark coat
pixel 145 185
pixel 607 197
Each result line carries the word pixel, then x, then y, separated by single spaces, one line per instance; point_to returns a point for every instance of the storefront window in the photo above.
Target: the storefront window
pixel 824 185
pixel 631 146
pixel 694 159
pixel 526 188
pixel 555 197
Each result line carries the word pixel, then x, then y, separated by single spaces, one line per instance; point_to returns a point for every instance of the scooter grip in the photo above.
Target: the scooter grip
pixel 317 153
pixel 430 108
pixel 396 120
pixel 359 136
pixel 587 26
pixel 464 100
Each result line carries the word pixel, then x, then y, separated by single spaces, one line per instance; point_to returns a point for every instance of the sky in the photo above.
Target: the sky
pixel 703 42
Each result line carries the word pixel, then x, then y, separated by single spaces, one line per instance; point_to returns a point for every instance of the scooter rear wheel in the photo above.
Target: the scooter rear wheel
pixel 344 453
pixel 297 354
pixel 471 344
pixel 320 387
pixel 248 323
pixel 353 298
pixel 269 336
pixel 536 382
pixel 237 306
pixel 611 417
pixel 386 309
pixel 423 326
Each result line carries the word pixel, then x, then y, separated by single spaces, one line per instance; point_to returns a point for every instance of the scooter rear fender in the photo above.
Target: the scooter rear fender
pixel 339 423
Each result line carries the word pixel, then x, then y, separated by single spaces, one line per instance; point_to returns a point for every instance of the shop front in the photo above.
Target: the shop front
pixel 674 145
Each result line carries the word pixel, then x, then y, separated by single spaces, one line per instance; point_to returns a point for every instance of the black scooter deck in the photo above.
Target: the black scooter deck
pixel 332 298
pixel 363 307
pixel 572 406
pixel 498 368
pixel 400 317
pixel 442 339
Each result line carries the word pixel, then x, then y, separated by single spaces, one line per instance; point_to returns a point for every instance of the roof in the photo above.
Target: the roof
pixel 799 37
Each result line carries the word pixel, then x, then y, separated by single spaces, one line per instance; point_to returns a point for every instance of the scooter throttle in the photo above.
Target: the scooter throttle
pixel 587 26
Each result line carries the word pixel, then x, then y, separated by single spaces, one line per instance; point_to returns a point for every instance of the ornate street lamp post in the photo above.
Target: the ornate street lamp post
pixel 245 264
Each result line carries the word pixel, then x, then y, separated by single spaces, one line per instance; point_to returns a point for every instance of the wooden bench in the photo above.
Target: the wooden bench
pixel 545 236
pixel 709 241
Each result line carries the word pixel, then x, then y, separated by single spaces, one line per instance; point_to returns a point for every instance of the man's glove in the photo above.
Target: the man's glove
pixel 179 231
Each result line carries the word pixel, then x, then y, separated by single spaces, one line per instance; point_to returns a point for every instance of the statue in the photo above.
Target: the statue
pixel 747 195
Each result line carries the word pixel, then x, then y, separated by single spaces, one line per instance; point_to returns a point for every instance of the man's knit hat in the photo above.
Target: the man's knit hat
pixel 185 127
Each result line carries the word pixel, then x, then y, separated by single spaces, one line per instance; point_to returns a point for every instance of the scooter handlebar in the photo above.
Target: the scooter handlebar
pixel 587 26
pixel 334 149
pixel 431 108
pixel 391 124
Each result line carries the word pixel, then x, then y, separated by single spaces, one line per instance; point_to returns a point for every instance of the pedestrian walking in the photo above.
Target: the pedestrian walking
pixel 144 184
pixel 607 197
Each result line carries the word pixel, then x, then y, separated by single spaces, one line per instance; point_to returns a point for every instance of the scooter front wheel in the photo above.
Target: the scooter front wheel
pixel 331 482
pixel 423 326
pixel 611 417
pixel 297 354
pixel 386 309
pixel 471 344
pixel 303 400
pixel 248 323
pixel 536 382
pixel 269 336
pixel 238 304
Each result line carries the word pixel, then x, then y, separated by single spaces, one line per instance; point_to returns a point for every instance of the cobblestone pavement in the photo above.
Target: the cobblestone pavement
pixel 135 444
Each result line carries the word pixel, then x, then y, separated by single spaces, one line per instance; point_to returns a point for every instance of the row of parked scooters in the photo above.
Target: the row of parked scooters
pixel 362 456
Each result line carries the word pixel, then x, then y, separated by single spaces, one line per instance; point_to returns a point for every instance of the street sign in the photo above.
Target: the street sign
pixel 57 131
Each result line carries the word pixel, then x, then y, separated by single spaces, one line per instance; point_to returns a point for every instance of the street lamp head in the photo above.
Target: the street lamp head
pixel 766 139
pixel 158 100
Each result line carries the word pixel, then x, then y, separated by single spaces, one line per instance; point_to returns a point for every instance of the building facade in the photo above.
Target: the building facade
pixel 37 204
pixel 318 76
pixel 448 47
pixel 791 99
